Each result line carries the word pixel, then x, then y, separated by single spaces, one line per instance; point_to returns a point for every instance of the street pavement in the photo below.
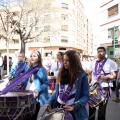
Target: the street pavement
pixel 112 112
pixel 113 109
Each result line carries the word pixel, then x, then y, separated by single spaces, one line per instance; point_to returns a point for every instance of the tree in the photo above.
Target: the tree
pixel 21 17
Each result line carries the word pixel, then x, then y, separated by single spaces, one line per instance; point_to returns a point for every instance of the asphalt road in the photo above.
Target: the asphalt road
pixel 113 110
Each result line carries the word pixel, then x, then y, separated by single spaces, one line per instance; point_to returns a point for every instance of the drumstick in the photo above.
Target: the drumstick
pixel 59 109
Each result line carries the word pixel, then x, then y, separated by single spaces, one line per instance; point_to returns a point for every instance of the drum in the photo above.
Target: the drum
pixel 97 95
pixel 51 84
pixel 17 105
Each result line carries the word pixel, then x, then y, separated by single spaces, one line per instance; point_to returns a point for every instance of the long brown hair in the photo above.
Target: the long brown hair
pixel 39 59
pixel 75 66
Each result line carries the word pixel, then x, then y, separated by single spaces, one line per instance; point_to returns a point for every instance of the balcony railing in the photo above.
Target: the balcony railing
pixel 54 43
pixel 11 46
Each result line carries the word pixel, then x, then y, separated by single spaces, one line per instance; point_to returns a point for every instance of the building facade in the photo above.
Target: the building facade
pixel 64 27
pixel 110 20
pixel 110 17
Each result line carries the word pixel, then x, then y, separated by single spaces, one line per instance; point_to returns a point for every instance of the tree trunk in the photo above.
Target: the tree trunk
pixel 23 46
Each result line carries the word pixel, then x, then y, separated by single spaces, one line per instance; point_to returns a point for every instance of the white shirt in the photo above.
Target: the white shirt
pixel 30 86
pixel 55 67
pixel 108 67
pixel 1 61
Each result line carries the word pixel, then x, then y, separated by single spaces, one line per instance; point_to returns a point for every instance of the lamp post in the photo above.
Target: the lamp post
pixel 7 47
pixel 114 42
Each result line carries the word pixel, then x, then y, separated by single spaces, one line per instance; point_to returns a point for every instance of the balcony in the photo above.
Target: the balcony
pixel 11 46
pixel 55 43
pixel 15 36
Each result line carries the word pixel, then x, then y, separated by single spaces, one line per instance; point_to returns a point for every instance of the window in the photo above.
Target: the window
pixel 15 33
pixel 47 39
pixel 113 10
pixel 31 19
pixel 15 41
pixel 36 28
pixel 36 40
pixel 111 32
pixel 64 16
pixel 46 17
pixel 46 28
pixel 62 48
pixel 64 27
pixel 111 52
pixel 64 5
pixel 15 14
pixel 64 39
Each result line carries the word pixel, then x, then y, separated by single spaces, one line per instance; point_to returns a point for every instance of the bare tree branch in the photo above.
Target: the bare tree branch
pixel 4 37
pixel 33 36
pixel 23 22
pixel 3 24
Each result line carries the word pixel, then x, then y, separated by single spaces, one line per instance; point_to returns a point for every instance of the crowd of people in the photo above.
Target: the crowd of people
pixel 73 78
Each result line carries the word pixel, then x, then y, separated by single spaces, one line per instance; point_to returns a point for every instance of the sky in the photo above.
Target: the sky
pixel 92 11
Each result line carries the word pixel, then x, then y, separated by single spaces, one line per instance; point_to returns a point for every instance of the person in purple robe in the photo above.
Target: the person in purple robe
pixel 72 86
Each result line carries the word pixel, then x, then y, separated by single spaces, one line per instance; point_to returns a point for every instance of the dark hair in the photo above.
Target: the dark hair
pixel 101 48
pixel 61 53
pixel 75 66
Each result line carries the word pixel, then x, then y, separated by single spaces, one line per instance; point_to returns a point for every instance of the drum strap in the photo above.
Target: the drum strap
pixel 98 70
pixel 109 88
pixel 19 79
pixel 19 69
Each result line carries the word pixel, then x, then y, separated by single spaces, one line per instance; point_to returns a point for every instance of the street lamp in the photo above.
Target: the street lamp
pixel 7 47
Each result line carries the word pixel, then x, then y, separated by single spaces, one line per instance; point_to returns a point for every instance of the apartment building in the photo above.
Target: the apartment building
pixel 64 27
pixel 110 18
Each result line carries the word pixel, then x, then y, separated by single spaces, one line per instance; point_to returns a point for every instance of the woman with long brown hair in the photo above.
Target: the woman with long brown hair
pixel 72 85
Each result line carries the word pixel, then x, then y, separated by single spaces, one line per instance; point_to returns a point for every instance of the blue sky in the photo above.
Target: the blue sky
pixel 3 0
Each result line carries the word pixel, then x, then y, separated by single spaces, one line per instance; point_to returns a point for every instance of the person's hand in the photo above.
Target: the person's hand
pixel 102 77
pixel 47 106
pixel 9 78
pixel 19 86
pixel 68 107
pixel 36 93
